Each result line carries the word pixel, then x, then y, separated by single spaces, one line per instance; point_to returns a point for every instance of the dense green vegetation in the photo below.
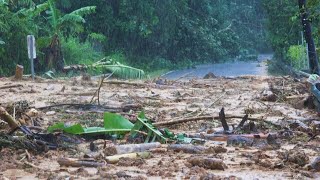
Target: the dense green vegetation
pixel 147 34
pixel 285 31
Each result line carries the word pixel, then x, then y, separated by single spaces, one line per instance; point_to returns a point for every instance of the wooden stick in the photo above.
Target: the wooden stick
pixel 225 137
pixel 244 119
pixel 125 83
pixel 114 159
pixel 4 115
pixel 206 118
pixel 11 86
pixel 125 107
pixel 223 121
pixel 77 94
pixel 79 163
pixel 100 85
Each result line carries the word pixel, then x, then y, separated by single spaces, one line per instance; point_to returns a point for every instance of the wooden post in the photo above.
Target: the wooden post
pixel 19 72
pixel 313 58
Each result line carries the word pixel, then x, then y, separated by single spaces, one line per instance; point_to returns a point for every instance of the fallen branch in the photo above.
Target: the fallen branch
pixel 125 83
pixel 79 163
pixel 225 137
pixel 77 94
pixel 5 116
pixel 114 159
pixel 110 108
pixel 11 86
pixel 205 118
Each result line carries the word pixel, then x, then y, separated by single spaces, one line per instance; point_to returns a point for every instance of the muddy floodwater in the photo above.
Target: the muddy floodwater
pixel 235 68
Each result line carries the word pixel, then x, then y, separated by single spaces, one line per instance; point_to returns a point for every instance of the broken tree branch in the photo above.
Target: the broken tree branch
pixel 109 108
pixel 205 118
pixel 223 121
pixel 78 163
pixel 244 119
pixel 4 115
pixel 125 83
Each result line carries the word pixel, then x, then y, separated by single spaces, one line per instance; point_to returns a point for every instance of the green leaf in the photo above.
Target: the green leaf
pixel 84 10
pixel 113 124
pixel 74 129
pixel 145 125
pixel 115 121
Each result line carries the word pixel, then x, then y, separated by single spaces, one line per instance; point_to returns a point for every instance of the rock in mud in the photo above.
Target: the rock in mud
pixel 239 141
pixel 316 164
pixel 208 163
pixel 295 156
pixel 210 75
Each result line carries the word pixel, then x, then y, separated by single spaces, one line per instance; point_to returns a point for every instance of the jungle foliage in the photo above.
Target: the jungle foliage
pixel 149 34
pixel 285 32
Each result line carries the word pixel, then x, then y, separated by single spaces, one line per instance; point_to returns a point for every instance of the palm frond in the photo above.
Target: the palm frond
pixel 71 18
pixel 34 11
pixel 84 11
pixel 54 12
pixel 118 69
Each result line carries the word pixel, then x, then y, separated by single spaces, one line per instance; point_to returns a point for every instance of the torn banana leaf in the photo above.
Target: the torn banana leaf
pixel 113 124
pixel 144 125
pixel 115 121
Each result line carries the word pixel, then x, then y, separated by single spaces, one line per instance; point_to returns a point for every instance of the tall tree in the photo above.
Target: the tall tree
pixel 62 26
pixel 313 58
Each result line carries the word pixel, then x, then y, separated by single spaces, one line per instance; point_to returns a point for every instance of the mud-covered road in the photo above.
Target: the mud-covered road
pixel 274 104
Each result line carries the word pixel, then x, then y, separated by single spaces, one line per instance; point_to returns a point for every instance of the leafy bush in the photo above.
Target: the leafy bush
pixel 297 56
pixel 76 52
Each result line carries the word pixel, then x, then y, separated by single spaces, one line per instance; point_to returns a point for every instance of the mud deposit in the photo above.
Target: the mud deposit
pixel 275 105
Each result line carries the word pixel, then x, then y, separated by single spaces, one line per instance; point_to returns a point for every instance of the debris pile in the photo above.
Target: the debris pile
pixel 210 128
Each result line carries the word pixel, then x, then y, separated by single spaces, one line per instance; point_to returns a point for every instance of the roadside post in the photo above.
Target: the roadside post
pixel 31 52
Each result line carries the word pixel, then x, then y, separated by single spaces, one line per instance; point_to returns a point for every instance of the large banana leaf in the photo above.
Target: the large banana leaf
pixel 118 69
pixel 113 124
pixel 123 71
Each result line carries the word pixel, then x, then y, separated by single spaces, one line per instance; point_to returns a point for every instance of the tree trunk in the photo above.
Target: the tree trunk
pixel 54 56
pixel 313 59
pixel 19 72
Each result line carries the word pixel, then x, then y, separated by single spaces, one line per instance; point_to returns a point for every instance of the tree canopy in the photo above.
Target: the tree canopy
pixel 149 34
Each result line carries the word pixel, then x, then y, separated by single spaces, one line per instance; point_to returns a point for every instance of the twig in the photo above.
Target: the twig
pixel 125 82
pixel 100 85
pixel 212 104
pixel 32 165
pixel 11 86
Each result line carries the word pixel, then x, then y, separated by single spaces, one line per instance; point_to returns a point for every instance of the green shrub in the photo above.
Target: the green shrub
pixel 297 56
pixel 76 52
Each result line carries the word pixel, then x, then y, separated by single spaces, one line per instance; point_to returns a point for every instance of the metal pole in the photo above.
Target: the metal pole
pixel 31 56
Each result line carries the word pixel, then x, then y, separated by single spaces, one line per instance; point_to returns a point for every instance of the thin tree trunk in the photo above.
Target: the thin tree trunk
pixel 54 57
pixel 313 59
